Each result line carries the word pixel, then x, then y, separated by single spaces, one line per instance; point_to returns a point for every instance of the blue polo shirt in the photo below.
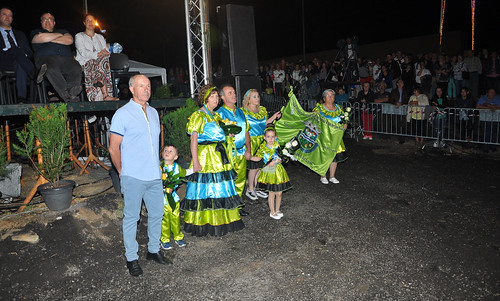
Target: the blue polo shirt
pixel 140 145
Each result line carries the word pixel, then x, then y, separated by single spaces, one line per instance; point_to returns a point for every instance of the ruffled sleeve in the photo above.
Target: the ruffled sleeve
pixel 196 123
pixel 260 151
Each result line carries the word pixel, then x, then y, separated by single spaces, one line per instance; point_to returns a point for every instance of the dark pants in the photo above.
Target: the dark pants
pixel 63 72
pixel 473 84
pixel 16 60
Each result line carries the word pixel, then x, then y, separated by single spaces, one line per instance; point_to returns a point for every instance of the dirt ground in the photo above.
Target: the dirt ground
pixel 403 224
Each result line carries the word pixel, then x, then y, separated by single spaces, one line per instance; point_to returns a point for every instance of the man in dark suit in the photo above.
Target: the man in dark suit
pixel 16 54
pixel 52 47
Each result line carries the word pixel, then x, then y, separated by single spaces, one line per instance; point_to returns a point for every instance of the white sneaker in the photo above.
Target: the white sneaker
pixel 323 180
pixel 280 214
pixel 251 195
pixel 261 194
pixel 435 144
pixel 334 180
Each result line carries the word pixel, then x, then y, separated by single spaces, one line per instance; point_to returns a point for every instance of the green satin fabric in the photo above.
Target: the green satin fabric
pixel 241 170
pixel 212 217
pixel 278 177
pixel 171 224
pixel 210 159
pixel 255 142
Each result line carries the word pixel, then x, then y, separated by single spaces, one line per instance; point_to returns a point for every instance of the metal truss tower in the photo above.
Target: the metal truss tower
pixel 198 44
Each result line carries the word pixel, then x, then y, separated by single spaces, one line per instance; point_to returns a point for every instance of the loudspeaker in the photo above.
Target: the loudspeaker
pixel 238 42
pixel 240 83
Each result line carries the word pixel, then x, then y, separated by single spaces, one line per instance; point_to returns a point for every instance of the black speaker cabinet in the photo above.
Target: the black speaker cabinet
pixel 238 42
pixel 240 83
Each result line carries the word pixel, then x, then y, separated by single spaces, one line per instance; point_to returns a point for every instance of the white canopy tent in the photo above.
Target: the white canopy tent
pixel 148 70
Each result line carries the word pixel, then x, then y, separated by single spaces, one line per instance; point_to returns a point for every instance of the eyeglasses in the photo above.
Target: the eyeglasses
pixel 47 19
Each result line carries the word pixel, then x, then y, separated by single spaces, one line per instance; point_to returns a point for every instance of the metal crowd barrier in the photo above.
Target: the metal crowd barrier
pixel 449 124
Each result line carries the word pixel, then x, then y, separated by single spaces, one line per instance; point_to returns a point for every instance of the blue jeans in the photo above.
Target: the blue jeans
pixel 134 191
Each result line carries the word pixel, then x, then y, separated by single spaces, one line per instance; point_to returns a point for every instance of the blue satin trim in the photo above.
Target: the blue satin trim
pixel 211 132
pixel 257 126
pixel 200 191
pixel 334 119
pixel 271 153
pixel 241 121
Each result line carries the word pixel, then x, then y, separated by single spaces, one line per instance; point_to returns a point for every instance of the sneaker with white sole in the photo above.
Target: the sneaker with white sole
pixel 181 243
pixel 261 194
pixel 435 144
pixel 323 180
pixel 365 137
pixel 334 180
pixel 251 195
pixel 166 246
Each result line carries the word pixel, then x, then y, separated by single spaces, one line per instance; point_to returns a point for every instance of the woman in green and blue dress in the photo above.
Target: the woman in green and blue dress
pixel 211 205
pixel 257 118
pixel 329 109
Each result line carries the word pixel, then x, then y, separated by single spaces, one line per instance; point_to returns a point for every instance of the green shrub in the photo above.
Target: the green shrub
pixel 163 92
pixel 48 125
pixel 175 127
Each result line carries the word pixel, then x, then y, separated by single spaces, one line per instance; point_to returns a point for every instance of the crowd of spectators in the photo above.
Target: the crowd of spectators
pixel 427 71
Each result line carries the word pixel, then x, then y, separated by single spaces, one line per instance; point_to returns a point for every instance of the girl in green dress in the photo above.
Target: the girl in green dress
pixel 273 177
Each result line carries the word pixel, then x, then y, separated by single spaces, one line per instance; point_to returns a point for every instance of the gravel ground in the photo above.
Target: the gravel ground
pixel 403 224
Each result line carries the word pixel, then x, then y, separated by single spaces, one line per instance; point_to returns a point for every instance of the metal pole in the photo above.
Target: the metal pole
pixel 303 34
pixel 189 45
pixel 205 27
pixel 85 7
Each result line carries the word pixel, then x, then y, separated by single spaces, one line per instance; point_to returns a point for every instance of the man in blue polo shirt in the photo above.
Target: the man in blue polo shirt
pixel 134 150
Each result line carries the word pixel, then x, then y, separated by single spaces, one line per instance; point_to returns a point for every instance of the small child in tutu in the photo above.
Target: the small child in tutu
pixel 272 177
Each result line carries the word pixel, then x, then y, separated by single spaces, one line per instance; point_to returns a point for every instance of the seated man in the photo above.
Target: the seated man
pixel 52 48
pixel 16 53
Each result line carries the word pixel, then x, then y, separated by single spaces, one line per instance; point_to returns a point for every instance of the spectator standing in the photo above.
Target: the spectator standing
pixel 492 72
pixel 366 97
pixel 416 115
pixel 458 69
pixel 474 68
pixel 278 78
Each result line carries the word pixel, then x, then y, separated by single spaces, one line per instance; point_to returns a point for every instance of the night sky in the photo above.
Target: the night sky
pixel 154 31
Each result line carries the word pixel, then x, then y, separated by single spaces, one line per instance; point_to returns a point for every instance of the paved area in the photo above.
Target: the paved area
pixel 403 224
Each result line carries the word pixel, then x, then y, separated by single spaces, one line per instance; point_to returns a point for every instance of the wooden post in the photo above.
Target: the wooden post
pixel 162 135
pixel 41 180
pixel 72 156
pixel 91 157
pixel 7 141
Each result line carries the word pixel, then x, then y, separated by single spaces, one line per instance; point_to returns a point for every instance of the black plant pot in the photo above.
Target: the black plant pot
pixel 57 198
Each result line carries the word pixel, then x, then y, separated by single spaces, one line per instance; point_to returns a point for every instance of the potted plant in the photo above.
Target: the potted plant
pixel 47 125
pixel 175 130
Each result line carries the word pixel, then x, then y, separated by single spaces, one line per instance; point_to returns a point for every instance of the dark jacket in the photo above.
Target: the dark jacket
pixel 394 97
pixel 7 57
